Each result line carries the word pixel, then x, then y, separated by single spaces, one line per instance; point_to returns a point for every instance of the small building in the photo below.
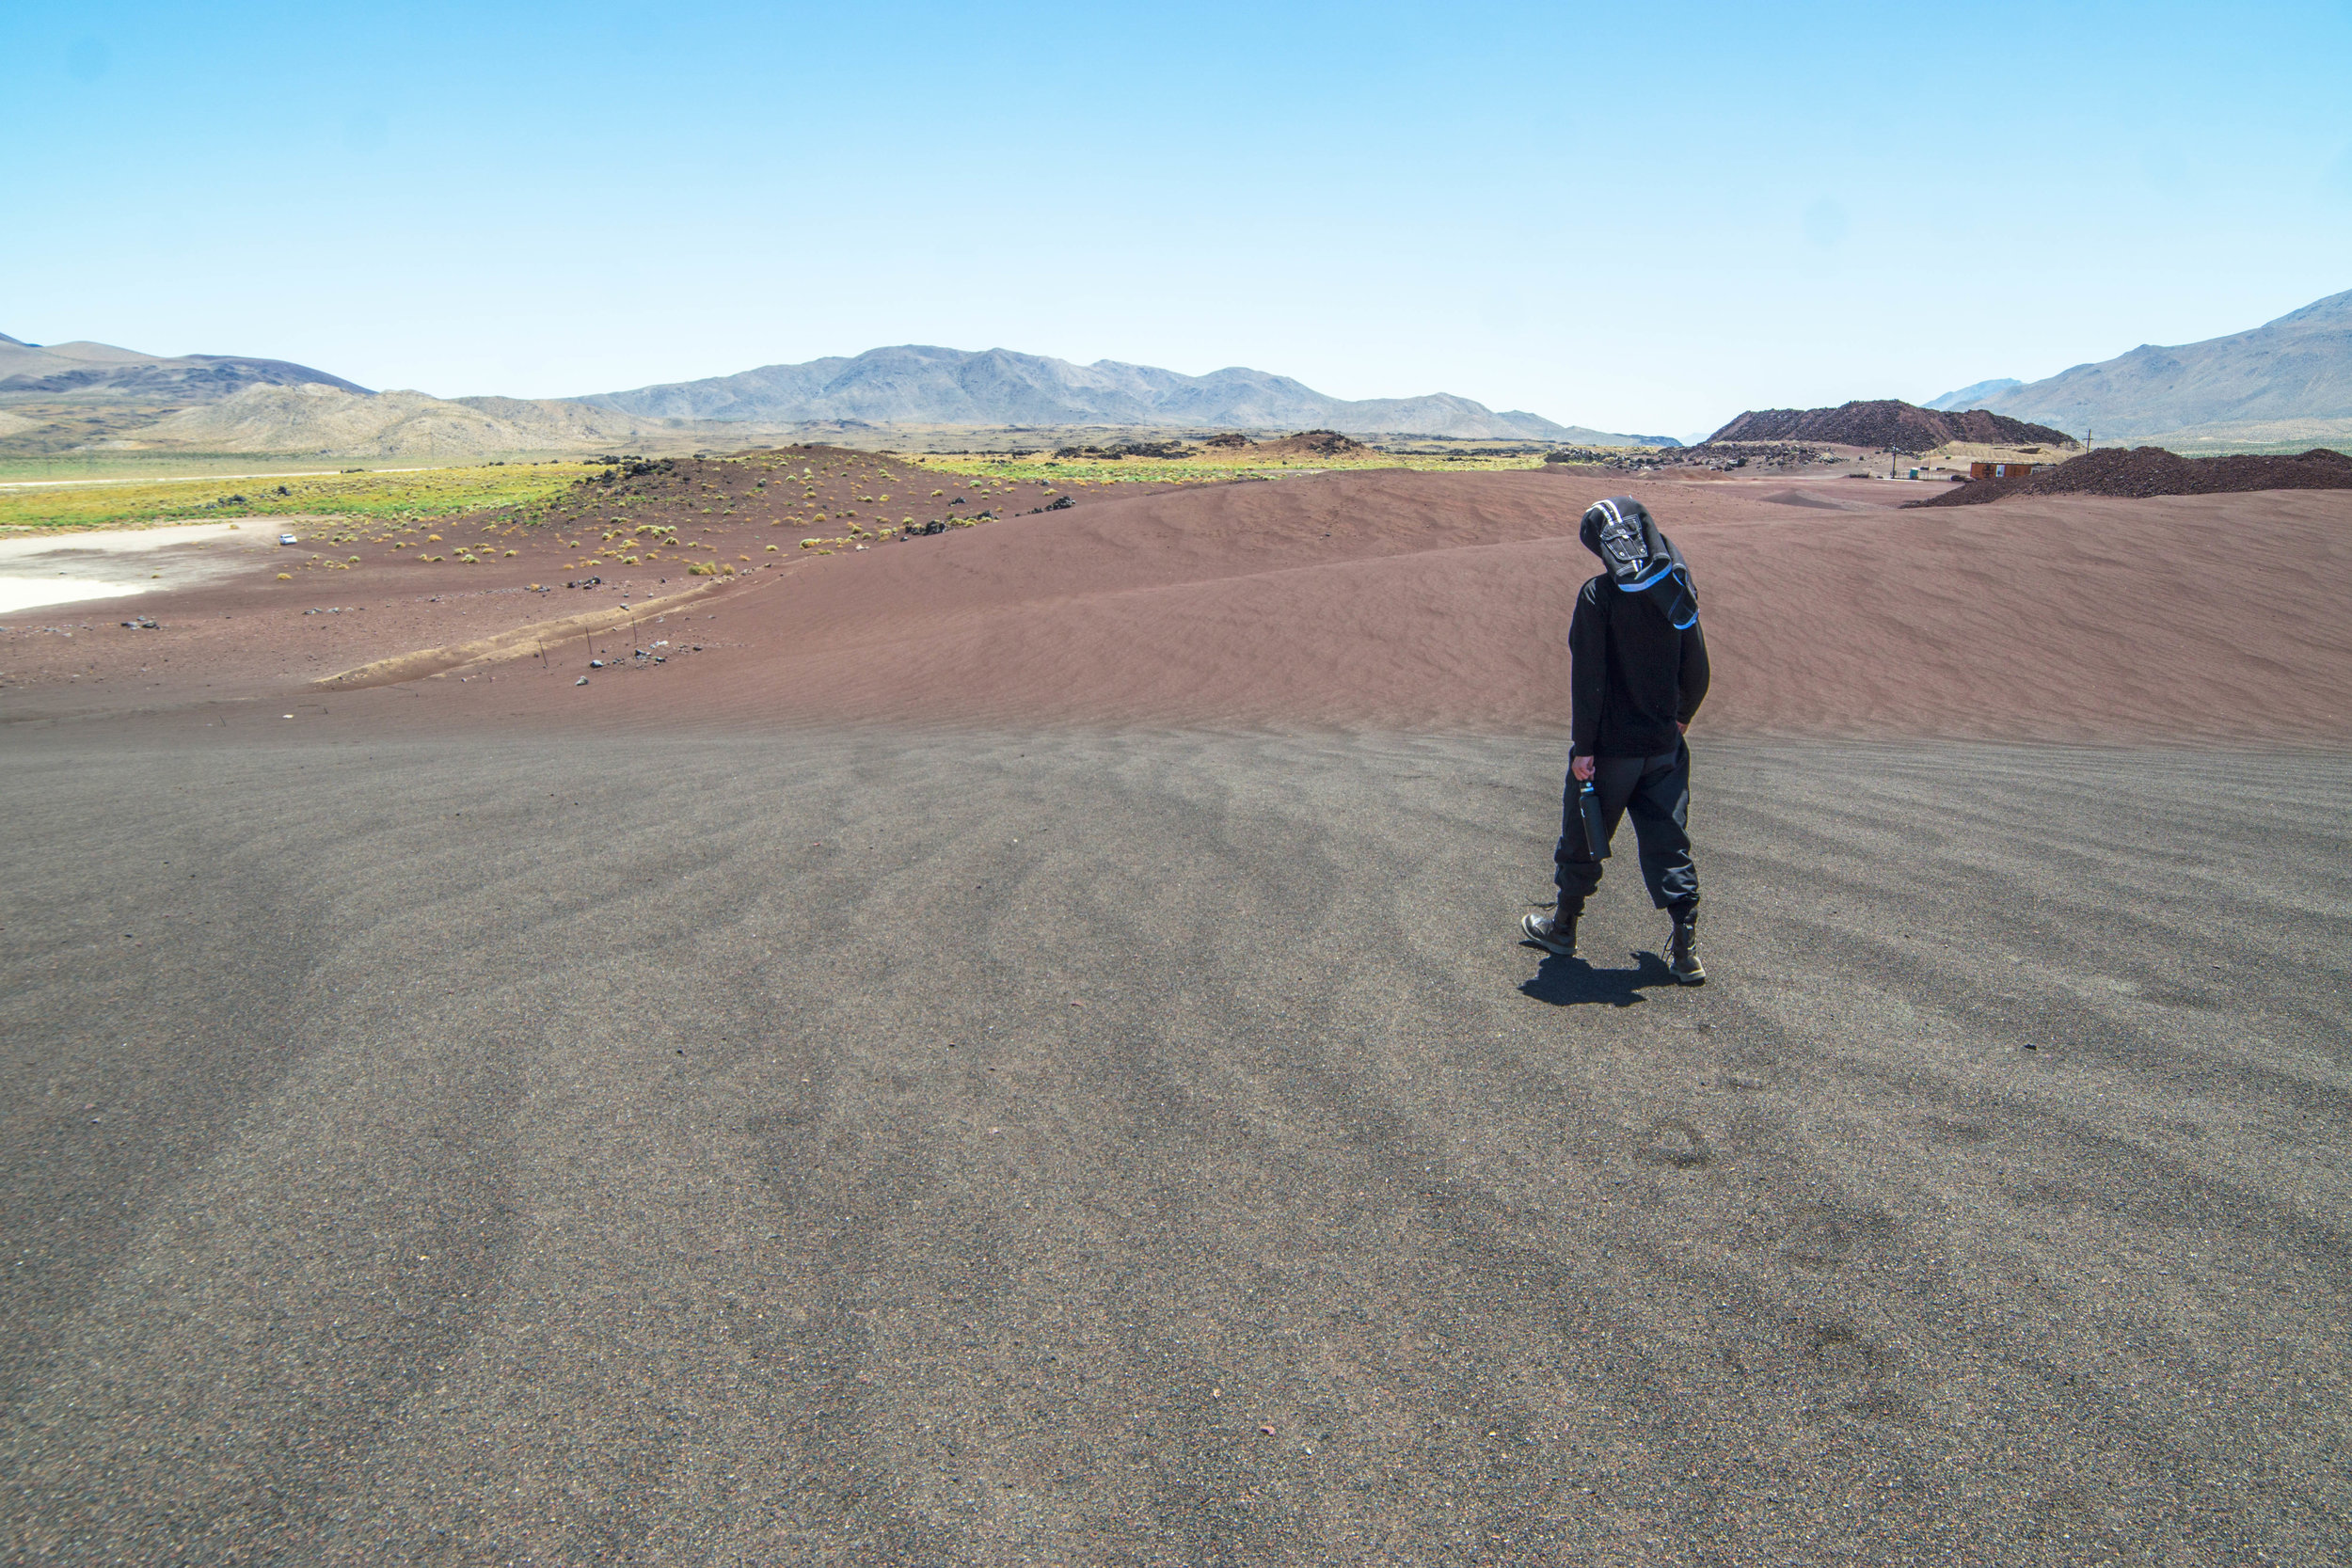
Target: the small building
pixel 2001 470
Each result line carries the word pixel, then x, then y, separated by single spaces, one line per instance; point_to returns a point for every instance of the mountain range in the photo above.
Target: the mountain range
pixel 916 384
pixel 2286 380
pixel 81 395
pixel 83 371
pixel 2289 380
pixel 1972 396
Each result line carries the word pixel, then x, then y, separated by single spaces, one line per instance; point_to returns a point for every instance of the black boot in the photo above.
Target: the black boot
pixel 1554 932
pixel 1683 948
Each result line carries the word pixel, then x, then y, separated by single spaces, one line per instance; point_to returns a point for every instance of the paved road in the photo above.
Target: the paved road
pixel 1093 1149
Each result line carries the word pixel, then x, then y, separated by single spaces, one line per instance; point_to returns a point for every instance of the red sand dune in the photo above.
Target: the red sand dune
pixel 1440 601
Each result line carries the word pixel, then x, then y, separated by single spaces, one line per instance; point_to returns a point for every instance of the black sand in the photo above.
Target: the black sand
pixel 1093 1149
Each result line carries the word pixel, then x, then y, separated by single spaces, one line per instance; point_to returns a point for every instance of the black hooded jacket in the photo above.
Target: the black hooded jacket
pixel 1639 670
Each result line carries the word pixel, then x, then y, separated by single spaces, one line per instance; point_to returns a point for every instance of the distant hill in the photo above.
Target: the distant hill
pixel 1886 422
pixel 331 421
pixel 2285 374
pixel 96 372
pixel 919 385
pixel 1975 396
pixel 79 395
pixel 327 421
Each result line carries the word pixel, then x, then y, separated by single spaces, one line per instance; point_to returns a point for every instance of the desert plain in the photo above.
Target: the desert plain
pixel 1011 1045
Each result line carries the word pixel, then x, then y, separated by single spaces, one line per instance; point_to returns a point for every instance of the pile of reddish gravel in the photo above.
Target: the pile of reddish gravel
pixel 1887 422
pixel 2154 471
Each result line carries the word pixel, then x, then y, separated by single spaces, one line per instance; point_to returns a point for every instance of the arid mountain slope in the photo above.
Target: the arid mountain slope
pixel 1975 395
pixel 915 384
pixel 2286 373
pixel 323 419
pixel 88 372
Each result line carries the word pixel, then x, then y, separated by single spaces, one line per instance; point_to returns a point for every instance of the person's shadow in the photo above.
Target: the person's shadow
pixel 1574 983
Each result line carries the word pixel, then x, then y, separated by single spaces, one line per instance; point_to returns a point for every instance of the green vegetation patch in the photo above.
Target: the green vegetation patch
pixel 389 496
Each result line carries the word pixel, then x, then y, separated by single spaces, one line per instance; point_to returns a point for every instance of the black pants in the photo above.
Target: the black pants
pixel 1657 792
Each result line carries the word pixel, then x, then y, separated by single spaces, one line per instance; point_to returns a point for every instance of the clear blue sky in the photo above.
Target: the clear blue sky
pixel 1641 218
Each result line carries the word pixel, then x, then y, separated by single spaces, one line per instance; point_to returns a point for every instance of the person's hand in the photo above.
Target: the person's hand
pixel 1581 769
pixel 1682 726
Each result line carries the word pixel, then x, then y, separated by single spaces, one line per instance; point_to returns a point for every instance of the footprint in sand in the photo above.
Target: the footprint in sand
pixel 1822 1236
pixel 1676 1143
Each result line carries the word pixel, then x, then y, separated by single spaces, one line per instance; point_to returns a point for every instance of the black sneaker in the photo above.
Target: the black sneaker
pixel 1551 933
pixel 1682 951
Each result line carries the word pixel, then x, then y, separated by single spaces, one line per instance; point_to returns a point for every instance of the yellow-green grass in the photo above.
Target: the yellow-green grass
pixel 385 497
pixel 155 467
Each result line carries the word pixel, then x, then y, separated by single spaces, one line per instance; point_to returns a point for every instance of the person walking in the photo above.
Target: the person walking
pixel 1637 675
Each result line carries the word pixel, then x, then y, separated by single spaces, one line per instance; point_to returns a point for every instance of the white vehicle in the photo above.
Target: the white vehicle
pixel 288 539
